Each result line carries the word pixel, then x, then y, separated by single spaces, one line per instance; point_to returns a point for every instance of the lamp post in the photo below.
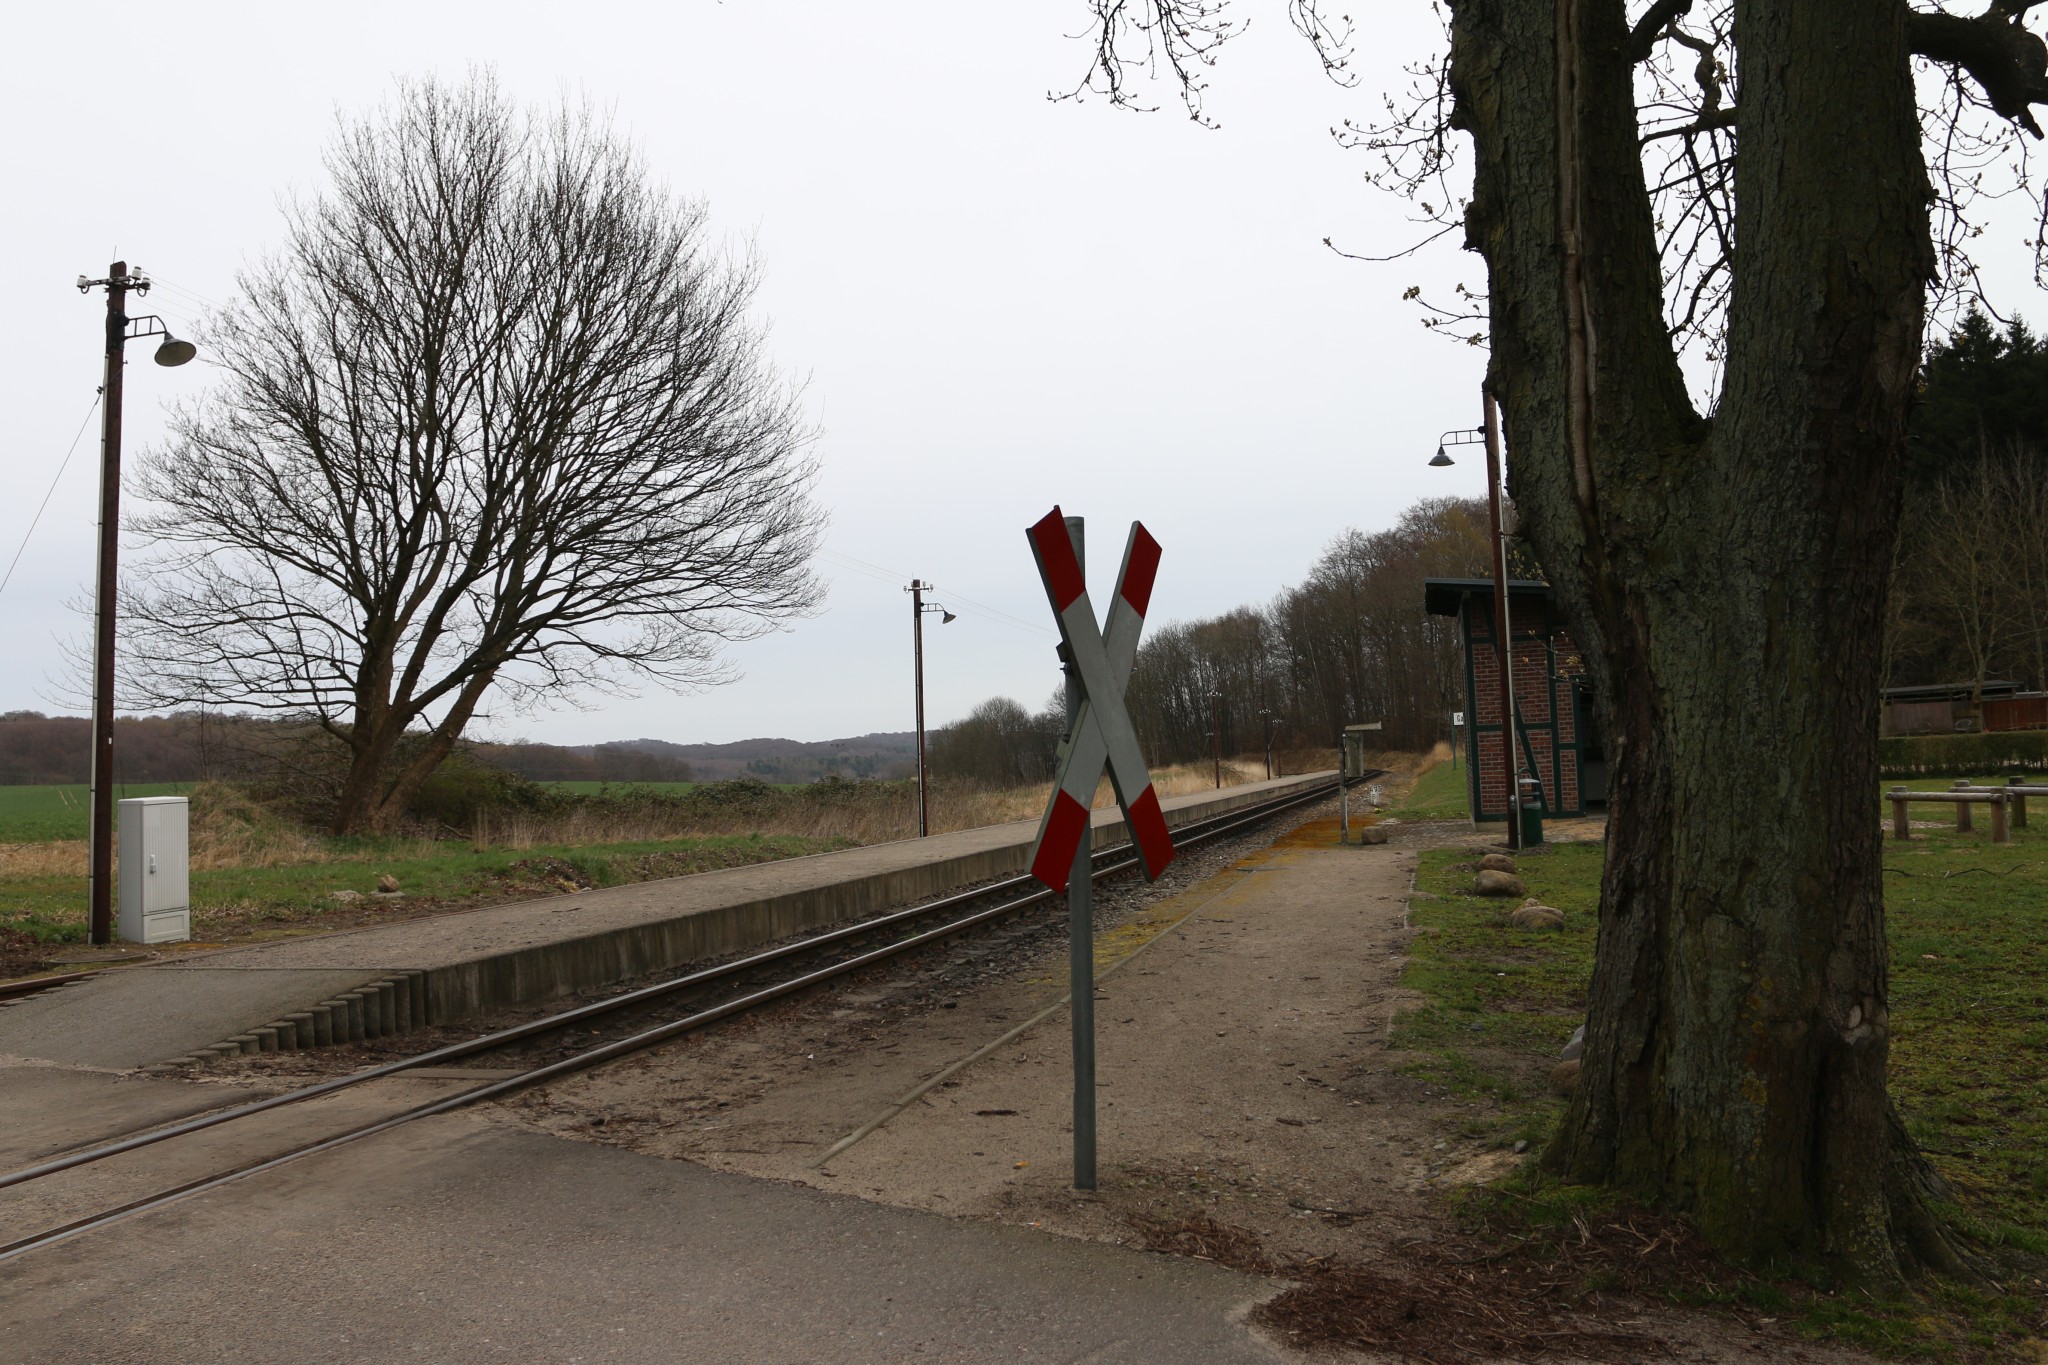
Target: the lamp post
pixel 1216 734
pixel 1268 718
pixel 918 607
pixel 119 283
pixel 1488 433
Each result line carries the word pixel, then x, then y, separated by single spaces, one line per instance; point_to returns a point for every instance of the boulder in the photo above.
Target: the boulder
pixel 1498 862
pixel 1372 834
pixel 1533 916
pixel 344 897
pixel 1573 1048
pixel 1564 1077
pixel 1492 883
pixel 387 885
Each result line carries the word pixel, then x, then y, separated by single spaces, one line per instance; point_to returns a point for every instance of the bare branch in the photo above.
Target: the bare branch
pixel 2009 63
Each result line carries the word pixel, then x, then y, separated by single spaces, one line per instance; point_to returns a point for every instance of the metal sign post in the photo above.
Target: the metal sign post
pixel 1081 931
pixel 1097 659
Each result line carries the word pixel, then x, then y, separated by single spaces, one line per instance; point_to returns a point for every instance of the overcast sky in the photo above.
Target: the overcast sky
pixel 1000 302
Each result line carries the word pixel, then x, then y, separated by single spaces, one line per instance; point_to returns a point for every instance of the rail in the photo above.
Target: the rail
pixel 1016 893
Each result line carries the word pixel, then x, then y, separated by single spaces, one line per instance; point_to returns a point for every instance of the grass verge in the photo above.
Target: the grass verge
pixel 235 902
pixel 1440 793
pixel 1969 1016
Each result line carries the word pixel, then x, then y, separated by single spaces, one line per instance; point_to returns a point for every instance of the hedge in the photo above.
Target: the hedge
pixel 2010 751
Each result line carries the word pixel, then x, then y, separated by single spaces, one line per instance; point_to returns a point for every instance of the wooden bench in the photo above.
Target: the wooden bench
pixel 1962 796
pixel 2017 790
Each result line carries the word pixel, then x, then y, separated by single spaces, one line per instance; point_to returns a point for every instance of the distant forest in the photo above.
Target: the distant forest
pixel 196 746
pixel 1969 599
pixel 1349 643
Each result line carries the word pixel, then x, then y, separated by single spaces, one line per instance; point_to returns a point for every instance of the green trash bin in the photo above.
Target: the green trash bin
pixel 1532 812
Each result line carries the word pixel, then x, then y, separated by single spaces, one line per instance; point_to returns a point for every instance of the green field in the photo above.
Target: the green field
pixel 1969 1029
pixel 1439 794
pixel 30 815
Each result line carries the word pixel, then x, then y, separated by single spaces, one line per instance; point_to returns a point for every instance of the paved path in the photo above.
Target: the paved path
pixel 458 1240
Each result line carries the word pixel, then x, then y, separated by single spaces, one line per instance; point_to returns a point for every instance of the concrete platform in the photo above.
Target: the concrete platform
pixel 463 964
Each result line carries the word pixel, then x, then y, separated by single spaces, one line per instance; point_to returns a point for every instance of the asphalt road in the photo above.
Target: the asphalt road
pixel 457 1239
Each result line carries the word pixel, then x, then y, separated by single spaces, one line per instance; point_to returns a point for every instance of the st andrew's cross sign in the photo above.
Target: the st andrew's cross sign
pixel 1100 732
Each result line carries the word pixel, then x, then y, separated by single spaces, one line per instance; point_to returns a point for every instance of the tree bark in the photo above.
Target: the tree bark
pixel 1726 579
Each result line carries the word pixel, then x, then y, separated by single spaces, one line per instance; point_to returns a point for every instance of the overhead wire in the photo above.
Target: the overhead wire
pixel 63 465
pixel 974 607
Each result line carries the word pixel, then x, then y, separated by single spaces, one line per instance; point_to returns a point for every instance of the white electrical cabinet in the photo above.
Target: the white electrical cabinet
pixel 156 882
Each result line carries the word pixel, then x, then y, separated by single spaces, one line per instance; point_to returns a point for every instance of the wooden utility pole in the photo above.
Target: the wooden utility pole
pixel 1216 734
pixel 100 868
pixel 918 588
pixel 100 844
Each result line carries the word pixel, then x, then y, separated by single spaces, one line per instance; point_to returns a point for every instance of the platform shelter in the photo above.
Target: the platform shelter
pixel 1558 736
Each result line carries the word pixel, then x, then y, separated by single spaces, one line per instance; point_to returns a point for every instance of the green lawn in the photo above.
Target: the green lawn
pixel 1439 794
pixel 1969 1017
pixel 33 814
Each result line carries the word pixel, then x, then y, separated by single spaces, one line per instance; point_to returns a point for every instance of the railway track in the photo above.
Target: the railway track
pixel 908 931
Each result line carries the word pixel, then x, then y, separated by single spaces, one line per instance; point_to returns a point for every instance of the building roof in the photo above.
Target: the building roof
pixel 1956 691
pixel 1446 596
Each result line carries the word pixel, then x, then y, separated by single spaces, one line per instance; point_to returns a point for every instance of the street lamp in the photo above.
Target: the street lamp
pixel 1488 434
pixel 918 608
pixel 119 282
pixel 1216 733
pixel 1269 719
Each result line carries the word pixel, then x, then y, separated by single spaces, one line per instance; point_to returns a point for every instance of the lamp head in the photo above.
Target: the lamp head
pixel 946 618
pixel 1441 460
pixel 175 352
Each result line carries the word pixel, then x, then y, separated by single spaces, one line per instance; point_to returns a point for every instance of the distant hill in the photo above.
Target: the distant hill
pixel 881 755
pixel 189 747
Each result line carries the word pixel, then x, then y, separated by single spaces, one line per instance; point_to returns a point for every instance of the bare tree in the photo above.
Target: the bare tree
pixel 495 420
pixel 2021 484
pixel 1724 564
pixel 1964 569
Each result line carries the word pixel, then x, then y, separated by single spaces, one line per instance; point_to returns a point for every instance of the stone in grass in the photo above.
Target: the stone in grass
pixel 1573 1048
pixel 344 897
pixel 1534 916
pixel 1564 1077
pixel 1492 883
pixel 1498 862
pixel 1372 834
pixel 387 885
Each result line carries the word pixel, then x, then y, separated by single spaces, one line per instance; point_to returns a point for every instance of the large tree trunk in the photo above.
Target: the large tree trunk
pixel 372 740
pixel 1726 578
pixel 375 799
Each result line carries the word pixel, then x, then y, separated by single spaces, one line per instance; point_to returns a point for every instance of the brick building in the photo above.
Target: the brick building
pixel 1558 737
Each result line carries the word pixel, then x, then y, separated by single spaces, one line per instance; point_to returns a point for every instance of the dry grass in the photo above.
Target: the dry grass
pixel 231 831
pixel 228 831
pixel 50 858
pixel 862 813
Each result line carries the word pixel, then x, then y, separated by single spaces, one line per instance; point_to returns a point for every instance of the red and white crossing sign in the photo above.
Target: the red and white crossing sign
pixel 1101 731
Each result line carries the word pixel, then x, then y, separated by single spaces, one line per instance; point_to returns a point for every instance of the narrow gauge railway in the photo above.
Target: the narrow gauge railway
pixel 740 982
